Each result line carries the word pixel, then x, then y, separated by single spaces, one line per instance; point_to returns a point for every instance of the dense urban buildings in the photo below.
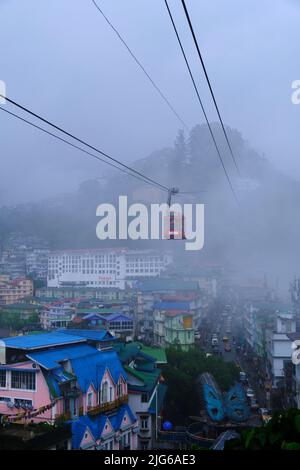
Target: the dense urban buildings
pixel 13 290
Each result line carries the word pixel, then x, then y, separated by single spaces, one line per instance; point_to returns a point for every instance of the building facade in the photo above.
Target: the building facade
pixel 76 378
pixel 103 267
pixel 13 290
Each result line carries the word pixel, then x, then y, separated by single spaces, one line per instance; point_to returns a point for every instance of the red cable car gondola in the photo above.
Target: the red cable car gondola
pixel 174 222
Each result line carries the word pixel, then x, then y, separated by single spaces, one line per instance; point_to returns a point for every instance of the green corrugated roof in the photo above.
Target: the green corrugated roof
pixel 148 378
pixel 158 354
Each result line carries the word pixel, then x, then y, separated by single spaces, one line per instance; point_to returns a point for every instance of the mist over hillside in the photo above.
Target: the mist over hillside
pixel 260 234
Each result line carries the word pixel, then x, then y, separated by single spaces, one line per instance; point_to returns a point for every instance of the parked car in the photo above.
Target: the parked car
pixel 225 338
pixel 243 376
pixel 250 393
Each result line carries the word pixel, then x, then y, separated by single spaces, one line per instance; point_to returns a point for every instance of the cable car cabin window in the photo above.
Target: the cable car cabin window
pixel 174 226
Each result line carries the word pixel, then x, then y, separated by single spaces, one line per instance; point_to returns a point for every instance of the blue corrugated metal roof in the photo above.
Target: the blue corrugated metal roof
pixel 90 369
pixel 93 316
pixel 118 317
pixel 116 420
pixel 172 305
pixel 41 340
pixel 96 424
pixel 97 335
pixel 50 359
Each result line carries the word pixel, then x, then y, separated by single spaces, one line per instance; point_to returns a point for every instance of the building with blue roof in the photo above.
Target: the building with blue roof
pixel 110 431
pixel 68 377
pixel 41 341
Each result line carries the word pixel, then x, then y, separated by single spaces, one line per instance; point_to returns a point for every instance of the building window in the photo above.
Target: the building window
pixel 3 378
pixel 144 398
pixel 126 440
pixel 144 422
pixel 90 399
pixel 23 380
pixel 5 399
pixel 119 389
pixel 104 392
pixel 22 403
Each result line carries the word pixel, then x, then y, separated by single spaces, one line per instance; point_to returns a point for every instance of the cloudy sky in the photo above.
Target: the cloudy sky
pixel 61 59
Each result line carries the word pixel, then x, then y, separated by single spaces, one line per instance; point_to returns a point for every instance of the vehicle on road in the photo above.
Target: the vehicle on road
pixel 250 393
pixel 243 376
pixel 225 338
pixel 227 347
pixel 214 342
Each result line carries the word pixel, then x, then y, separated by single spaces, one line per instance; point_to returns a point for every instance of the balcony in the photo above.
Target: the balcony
pixel 108 406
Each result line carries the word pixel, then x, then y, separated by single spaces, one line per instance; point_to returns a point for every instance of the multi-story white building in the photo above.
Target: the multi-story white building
pixel 279 345
pixel 104 267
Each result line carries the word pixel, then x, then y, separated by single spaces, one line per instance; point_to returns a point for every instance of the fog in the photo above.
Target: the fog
pixel 62 60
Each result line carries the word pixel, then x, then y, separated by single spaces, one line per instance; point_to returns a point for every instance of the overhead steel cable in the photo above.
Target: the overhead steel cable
pixel 132 170
pixel 208 82
pixel 73 145
pixel 163 96
pixel 200 101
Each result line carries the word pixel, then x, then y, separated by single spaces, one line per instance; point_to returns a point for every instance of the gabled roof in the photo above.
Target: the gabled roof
pixel 148 379
pixel 90 369
pixel 93 316
pixel 79 427
pixel 96 424
pixel 118 317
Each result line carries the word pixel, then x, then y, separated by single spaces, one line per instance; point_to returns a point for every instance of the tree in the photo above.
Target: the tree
pixel 181 373
pixel 281 433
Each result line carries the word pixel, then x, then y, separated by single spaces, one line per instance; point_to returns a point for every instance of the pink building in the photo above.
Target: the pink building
pixel 63 377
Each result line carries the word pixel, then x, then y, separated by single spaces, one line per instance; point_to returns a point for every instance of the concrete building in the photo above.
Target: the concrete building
pixel 37 263
pixel 104 294
pixel 55 317
pixel 279 345
pixel 13 290
pixel 104 267
pixel 71 377
pixel 154 290
pixel 173 325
